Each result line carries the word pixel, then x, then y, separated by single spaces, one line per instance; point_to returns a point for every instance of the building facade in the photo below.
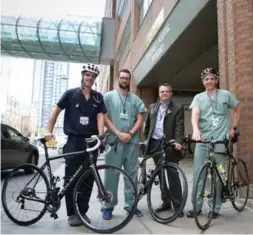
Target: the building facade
pixel 49 83
pixel 173 41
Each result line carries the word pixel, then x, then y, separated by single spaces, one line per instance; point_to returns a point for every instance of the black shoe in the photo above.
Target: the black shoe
pixel 181 214
pixel 191 215
pixel 215 215
pixel 163 207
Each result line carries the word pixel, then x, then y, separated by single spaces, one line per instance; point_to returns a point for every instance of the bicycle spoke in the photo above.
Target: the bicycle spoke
pixel 17 203
pixel 98 203
pixel 239 185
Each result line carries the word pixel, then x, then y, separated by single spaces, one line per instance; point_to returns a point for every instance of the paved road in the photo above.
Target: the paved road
pixel 230 221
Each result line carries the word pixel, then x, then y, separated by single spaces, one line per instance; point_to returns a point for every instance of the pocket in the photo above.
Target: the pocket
pixel 222 108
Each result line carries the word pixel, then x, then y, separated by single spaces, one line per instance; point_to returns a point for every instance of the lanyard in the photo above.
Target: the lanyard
pixel 124 105
pixel 214 102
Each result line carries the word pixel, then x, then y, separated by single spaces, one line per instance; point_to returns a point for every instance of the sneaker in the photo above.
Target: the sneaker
pixel 107 214
pixel 138 213
pixel 74 220
pixel 191 215
pixel 163 207
pixel 181 213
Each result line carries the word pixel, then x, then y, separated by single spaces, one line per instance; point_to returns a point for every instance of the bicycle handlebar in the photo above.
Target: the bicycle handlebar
pixel 209 141
pixel 87 140
pixel 225 141
pixel 93 138
pixel 163 144
pixel 98 139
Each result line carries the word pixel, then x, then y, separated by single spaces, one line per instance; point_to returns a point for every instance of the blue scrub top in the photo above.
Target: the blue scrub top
pixel 80 117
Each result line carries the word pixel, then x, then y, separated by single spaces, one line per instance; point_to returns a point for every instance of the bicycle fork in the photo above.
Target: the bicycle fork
pixel 102 194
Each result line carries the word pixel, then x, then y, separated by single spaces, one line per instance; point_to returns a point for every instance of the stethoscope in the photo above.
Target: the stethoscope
pixel 97 100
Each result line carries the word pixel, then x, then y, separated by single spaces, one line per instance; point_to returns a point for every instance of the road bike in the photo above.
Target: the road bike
pixel 40 193
pixel 160 181
pixel 233 184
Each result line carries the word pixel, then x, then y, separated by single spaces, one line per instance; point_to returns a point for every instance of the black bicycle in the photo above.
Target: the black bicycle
pixel 28 203
pixel 234 183
pixel 162 180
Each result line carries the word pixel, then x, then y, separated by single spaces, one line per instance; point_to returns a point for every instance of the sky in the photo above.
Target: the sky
pixel 21 75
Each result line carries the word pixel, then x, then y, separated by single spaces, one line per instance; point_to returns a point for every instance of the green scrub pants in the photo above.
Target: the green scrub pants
pixel 125 155
pixel 200 156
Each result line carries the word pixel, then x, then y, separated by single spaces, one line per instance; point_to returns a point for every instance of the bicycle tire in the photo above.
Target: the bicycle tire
pixel 213 186
pixel 36 170
pixel 129 215
pixel 245 171
pixel 184 196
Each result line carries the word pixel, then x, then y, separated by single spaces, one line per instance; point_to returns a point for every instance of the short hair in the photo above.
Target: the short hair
pixel 125 71
pixel 167 85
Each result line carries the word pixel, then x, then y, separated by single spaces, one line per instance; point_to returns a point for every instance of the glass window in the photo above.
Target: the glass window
pixel 144 9
pixel 121 5
pixel 14 135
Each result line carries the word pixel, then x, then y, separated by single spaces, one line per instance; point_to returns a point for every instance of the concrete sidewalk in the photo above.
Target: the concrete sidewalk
pixel 230 221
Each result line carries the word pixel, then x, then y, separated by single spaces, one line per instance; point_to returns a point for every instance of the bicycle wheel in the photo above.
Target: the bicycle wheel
pixel 239 185
pixel 19 192
pixel 172 194
pixel 204 196
pixel 110 200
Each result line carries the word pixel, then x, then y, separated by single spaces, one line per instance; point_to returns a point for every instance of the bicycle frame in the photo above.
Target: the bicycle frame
pixel 53 179
pixel 226 186
pixel 160 164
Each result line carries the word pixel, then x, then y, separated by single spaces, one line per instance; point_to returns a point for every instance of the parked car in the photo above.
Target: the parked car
pixel 16 149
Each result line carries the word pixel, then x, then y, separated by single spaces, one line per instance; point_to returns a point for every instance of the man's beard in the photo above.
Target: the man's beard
pixel 124 87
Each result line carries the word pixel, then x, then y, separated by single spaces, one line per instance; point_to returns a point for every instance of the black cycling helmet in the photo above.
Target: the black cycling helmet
pixel 91 68
pixel 210 71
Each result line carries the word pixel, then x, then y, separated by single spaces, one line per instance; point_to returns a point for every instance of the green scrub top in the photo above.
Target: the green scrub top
pixel 214 114
pixel 116 104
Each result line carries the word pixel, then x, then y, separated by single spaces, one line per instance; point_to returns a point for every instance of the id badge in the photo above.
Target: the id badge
pixel 124 116
pixel 215 122
pixel 84 120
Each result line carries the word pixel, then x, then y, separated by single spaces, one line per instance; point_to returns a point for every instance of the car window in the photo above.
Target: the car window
pixel 14 135
pixel 4 134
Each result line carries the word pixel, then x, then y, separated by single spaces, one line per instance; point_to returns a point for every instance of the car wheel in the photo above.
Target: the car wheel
pixel 32 160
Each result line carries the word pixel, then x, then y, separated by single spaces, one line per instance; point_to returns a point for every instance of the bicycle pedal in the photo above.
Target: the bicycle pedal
pixel 54 215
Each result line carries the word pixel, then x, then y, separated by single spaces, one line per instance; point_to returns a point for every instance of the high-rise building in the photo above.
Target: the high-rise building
pixel 49 83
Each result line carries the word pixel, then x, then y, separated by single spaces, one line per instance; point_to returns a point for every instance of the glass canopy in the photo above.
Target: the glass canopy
pixel 71 39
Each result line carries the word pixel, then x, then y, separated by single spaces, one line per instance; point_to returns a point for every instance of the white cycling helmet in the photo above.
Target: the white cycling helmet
pixel 91 68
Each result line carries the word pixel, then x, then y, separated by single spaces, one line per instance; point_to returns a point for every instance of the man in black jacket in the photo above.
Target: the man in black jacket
pixel 166 118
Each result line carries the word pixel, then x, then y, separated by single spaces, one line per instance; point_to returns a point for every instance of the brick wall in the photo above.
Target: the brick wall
pixel 235 23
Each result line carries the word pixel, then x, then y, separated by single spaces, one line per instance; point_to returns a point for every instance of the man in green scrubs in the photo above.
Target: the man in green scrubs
pixel 210 119
pixel 123 120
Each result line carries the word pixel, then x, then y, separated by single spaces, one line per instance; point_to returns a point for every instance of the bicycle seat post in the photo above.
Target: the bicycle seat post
pixel 43 141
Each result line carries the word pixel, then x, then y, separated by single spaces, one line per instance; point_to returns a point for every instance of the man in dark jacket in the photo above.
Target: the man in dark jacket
pixel 166 118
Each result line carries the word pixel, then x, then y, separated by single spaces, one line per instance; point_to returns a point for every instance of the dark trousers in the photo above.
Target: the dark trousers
pixel 75 144
pixel 175 192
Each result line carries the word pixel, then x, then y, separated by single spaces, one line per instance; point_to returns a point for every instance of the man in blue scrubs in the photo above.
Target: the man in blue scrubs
pixel 84 116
